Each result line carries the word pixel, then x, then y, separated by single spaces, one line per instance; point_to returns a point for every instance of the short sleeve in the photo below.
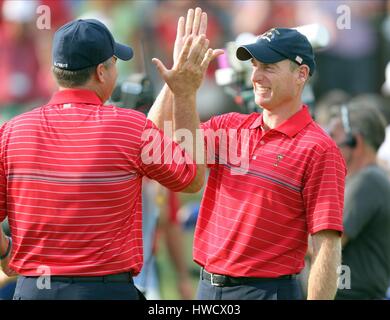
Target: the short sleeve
pixel 163 160
pixel 323 191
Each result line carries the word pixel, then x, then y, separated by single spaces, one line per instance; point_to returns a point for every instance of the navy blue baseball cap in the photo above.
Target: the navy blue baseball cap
pixel 80 44
pixel 279 44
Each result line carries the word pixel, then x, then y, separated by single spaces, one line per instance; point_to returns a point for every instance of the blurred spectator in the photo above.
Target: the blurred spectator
pixel 124 19
pixel 324 105
pixel 258 16
pixel 20 69
pixel 351 62
pixel 148 281
pixel 159 218
pixel 359 130
pixel 384 150
pixel 157 34
pixel 382 104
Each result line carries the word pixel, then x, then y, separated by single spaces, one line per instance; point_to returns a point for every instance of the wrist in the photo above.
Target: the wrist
pixel 184 96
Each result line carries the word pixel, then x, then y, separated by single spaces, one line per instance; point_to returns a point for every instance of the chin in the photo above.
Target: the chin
pixel 262 103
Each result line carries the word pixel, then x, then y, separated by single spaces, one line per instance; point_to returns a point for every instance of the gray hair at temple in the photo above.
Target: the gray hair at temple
pixel 367 119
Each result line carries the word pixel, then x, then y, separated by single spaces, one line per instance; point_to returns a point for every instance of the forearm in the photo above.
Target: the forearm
pixel 185 117
pixel 323 275
pixel 161 110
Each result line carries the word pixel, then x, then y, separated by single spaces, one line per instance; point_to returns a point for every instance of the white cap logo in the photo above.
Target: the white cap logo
pixel 269 35
pixel 298 59
pixel 60 65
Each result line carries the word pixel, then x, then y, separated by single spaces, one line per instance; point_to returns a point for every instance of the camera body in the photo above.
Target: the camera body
pixel 136 92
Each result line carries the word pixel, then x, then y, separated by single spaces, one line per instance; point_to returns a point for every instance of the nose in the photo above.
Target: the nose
pixel 257 74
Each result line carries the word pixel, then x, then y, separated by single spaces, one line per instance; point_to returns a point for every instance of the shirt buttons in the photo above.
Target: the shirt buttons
pixel 254 157
pixel 262 142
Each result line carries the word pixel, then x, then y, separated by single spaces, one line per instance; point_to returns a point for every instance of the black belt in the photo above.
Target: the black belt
pixel 220 280
pixel 119 277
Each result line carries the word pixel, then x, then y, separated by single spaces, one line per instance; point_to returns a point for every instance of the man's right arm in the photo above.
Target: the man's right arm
pixel 178 102
pixel 161 110
pixel 184 80
pixel 195 24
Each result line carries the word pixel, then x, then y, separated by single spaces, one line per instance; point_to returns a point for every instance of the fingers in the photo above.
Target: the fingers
pixel 203 24
pixel 196 23
pixel 185 51
pixel 210 55
pixel 196 49
pixel 216 53
pixel 160 67
pixel 189 22
pixel 202 52
pixel 206 60
pixel 180 28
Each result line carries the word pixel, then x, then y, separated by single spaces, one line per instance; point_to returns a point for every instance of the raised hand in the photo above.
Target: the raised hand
pixel 191 54
pixel 187 74
pixel 195 24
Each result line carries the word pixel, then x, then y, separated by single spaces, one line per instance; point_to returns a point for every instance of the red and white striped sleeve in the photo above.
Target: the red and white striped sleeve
pixel 163 160
pixel 323 192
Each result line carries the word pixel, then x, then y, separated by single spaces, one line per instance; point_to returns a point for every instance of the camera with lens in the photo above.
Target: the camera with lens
pixel 136 92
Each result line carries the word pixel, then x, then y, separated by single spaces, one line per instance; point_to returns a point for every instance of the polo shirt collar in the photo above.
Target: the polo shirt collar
pixel 75 96
pixel 291 126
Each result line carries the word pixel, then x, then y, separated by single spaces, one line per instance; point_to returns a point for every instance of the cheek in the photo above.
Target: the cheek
pixel 253 76
pixel 287 86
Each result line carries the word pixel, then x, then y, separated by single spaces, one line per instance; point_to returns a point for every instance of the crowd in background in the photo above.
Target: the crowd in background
pixel 353 63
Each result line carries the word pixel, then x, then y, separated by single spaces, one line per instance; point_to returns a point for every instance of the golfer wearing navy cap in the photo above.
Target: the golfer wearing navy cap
pixel 71 171
pixel 252 230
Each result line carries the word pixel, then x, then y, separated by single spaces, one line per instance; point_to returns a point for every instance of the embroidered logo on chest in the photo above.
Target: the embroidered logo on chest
pixel 279 158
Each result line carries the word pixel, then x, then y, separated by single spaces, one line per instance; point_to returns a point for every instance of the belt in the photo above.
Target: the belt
pixel 220 280
pixel 119 277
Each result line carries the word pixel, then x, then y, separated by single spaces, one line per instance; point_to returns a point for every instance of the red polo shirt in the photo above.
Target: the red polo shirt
pixel 255 221
pixel 70 183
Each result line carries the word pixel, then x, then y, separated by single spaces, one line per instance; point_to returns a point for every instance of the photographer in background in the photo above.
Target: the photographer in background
pixel 359 130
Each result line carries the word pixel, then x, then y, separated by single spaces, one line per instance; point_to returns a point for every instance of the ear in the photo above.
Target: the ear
pixel 100 73
pixel 360 143
pixel 303 74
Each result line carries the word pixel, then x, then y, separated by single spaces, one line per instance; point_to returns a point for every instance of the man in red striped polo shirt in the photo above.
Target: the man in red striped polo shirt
pixel 277 178
pixel 71 171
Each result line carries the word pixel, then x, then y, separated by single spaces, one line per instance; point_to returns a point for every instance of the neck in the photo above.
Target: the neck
pixel 86 87
pixel 359 163
pixel 273 118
